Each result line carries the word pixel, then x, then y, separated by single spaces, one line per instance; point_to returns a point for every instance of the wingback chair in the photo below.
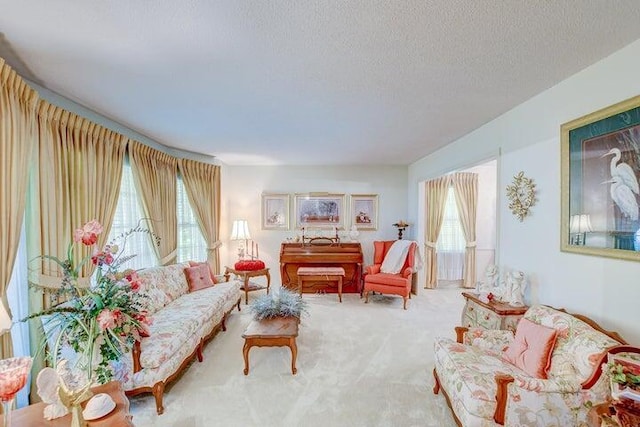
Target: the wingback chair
pixel 386 283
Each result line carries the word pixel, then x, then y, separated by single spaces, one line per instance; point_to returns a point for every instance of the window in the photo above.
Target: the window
pixel 451 242
pixel 191 243
pixel 129 215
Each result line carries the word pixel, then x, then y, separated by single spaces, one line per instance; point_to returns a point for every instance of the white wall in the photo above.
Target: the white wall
pixel 242 187
pixel 527 138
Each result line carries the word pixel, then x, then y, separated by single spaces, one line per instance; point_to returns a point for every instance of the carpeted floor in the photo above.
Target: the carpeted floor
pixel 358 365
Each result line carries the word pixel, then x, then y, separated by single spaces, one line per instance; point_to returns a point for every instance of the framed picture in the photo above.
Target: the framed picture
pixel 322 210
pixel 275 211
pixel 364 211
pixel 600 156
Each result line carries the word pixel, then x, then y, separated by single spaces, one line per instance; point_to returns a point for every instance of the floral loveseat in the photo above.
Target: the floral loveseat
pixel 483 389
pixel 181 322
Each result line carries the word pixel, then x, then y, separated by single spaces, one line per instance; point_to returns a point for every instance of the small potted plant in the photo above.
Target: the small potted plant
pixel 281 303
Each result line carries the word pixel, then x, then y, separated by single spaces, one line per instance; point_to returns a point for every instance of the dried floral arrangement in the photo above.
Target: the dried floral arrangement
pixel 282 303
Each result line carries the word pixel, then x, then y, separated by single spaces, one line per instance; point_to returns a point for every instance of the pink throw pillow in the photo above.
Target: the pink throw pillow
pixel 198 277
pixel 195 264
pixel 531 349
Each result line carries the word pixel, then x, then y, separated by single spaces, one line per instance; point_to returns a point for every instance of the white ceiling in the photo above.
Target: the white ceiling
pixel 308 82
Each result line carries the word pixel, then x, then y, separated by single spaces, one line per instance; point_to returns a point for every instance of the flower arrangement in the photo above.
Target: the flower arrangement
pixel 105 318
pixel 282 303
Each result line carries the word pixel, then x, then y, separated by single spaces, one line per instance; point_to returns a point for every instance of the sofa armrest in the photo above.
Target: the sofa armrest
pixel 491 339
pixel 407 272
pixel 372 269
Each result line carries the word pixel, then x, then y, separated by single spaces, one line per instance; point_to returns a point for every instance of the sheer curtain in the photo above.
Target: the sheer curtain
pixel 18 296
pixel 451 242
pixel 128 216
pixel 191 244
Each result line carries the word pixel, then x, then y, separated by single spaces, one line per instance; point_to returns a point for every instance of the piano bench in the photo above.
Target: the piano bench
pixel 322 275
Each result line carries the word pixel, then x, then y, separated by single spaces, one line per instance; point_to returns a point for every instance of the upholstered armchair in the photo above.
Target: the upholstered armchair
pixel 388 283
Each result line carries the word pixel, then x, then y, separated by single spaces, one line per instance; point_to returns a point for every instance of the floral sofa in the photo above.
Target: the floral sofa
pixel 483 389
pixel 181 322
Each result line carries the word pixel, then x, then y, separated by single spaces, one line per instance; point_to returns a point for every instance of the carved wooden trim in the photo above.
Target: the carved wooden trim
pixel 135 353
pixel 597 373
pixel 501 308
pixel 460 331
pixel 502 381
pixel 446 397
pixel 158 389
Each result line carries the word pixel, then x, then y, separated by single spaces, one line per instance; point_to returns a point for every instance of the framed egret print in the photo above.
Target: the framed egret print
pixel 600 156
pixel 322 210
pixel 364 211
pixel 275 211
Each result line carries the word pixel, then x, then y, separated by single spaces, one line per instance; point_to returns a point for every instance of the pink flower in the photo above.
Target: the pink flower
pixel 134 281
pixel 102 257
pixel 88 234
pixel 106 319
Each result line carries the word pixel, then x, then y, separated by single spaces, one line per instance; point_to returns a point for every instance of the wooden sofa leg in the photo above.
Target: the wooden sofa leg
pixel 436 386
pixel 238 304
pixel 224 324
pixel 158 391
pixel 199 351
pixel 366 297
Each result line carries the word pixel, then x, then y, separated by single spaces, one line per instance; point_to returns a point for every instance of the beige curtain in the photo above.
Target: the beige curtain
pixel 465 186
pixel 18 132
pixel 435 198
pixel 79 173
pixel 155 174
pixel 202 183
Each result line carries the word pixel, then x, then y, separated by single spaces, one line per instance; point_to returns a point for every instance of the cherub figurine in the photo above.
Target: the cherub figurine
pixel 515 285
pixel 490 277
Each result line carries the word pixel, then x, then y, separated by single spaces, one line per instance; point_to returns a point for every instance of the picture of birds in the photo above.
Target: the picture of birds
pixel 624 185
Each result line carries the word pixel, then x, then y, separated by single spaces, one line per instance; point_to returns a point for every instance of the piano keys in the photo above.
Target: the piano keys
pixel 346 255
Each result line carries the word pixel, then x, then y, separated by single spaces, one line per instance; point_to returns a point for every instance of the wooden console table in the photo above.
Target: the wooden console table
pixel 480 312
pixel 247 285
pixel 32 415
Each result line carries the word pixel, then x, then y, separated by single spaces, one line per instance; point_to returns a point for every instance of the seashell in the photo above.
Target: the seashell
pixel 98 406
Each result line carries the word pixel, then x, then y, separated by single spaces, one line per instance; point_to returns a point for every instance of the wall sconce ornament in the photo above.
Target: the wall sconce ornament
pixel 522 195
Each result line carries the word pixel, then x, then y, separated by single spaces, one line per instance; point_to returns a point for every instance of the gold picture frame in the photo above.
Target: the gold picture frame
pixel 275 211
pixel 600 170
pixel 319 210
pixel 364 211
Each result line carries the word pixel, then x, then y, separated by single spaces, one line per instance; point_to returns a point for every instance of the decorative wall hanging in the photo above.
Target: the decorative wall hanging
pixel 275 211
pixel 364 211
pixel 600 155
pixel 320 210
pixel 522 195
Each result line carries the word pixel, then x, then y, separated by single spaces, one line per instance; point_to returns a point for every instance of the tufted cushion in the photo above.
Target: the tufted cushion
pixel 249 265
pixel 198 277
pixel 213 276
pixel 531 348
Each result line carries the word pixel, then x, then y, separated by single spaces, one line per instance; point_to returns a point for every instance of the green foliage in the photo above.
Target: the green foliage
pixel 279 304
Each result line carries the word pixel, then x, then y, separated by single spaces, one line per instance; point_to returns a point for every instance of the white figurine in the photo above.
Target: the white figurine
pixel 515 285
pixel 354 233
pixel 490 277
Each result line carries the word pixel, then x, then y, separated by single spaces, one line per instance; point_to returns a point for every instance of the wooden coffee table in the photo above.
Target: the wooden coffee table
pixel 32 415
pixel 277 332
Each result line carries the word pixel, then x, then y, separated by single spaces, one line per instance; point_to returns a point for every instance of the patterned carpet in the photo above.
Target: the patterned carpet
pixel 358 365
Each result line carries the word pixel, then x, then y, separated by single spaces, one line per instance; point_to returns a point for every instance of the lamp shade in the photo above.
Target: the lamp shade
pixel 580 224
pixel 240 230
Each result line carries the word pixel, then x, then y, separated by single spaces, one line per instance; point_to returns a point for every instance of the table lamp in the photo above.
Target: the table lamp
pixel 240 231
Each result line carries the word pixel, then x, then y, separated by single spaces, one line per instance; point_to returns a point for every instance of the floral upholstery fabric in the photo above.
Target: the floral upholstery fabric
pixel 467 374
pixel 178 325
pixel 150 279
pixel 578 345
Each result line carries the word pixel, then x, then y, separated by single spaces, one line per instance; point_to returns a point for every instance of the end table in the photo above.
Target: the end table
pixel 247 285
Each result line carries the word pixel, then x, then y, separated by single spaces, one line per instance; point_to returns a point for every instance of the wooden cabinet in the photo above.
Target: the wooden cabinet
pixel 480 312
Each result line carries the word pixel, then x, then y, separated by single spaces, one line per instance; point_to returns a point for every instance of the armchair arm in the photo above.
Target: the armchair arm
pixel 407 272
pixel 372 269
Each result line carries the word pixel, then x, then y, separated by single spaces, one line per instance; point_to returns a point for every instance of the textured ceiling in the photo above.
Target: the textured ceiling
pixel 308 82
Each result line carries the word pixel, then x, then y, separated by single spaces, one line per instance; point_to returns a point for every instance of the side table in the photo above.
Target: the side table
pixel 480 312
pixel 247 285
pixel 32 415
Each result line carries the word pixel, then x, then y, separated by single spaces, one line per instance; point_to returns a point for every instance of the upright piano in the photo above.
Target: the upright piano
pixel 345 255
